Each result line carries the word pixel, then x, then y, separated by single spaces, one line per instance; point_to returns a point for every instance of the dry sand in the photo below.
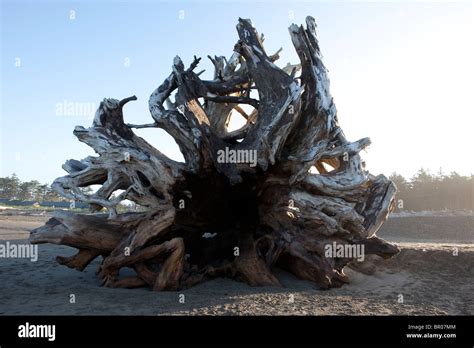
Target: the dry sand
pixel 427 273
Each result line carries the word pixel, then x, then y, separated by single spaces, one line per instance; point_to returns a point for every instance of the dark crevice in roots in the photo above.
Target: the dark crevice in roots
pixel 222 212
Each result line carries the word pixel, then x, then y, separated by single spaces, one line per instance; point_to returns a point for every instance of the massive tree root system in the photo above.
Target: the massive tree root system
pixel 277 192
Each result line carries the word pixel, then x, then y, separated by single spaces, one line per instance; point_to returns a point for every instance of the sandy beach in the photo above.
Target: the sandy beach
pixel 433 274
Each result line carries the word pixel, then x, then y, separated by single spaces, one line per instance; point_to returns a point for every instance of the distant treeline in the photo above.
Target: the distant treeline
pixel 12 188
pixel 426 191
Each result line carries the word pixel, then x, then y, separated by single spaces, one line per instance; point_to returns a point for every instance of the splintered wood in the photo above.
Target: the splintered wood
pixel 243 202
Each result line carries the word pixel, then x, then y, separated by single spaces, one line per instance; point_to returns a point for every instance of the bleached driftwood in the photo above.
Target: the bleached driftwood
pixel 207 217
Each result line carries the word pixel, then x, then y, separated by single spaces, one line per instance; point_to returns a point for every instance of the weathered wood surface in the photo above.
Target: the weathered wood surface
pixel 269 211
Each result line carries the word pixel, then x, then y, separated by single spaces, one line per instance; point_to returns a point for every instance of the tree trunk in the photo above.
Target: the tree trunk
pixel 243 202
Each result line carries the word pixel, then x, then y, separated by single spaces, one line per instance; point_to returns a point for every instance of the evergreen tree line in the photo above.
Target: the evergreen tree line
pixel 426 191
pixel 12 188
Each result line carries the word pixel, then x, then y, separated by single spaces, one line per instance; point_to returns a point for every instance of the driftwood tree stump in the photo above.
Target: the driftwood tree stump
pixel 244 201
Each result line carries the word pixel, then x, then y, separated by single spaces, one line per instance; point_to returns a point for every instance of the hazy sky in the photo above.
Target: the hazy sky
pixel 401 72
